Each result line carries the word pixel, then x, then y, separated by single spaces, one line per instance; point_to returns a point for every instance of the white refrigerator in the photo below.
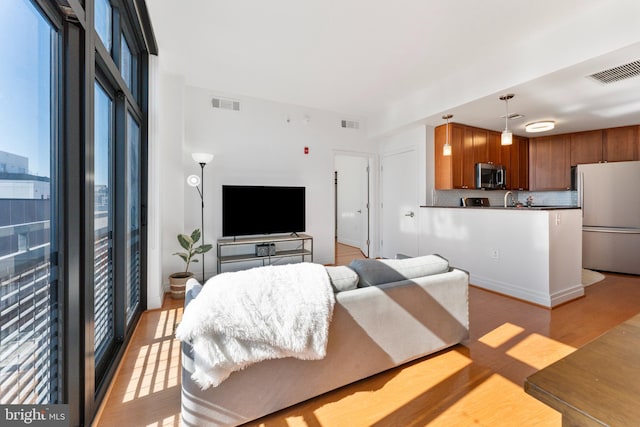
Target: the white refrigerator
pixel 609 195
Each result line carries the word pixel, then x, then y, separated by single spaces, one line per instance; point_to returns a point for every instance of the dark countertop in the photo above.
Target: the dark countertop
pixel 524 208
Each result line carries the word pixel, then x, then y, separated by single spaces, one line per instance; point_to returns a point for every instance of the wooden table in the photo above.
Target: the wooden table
pixel 598 384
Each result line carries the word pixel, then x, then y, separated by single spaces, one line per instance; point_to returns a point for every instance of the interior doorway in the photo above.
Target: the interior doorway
pixel 352 180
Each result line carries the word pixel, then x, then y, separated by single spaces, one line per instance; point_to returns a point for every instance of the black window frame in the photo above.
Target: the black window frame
pixel 82 57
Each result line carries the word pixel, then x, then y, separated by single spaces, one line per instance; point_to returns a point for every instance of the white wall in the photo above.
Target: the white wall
pixel 262 144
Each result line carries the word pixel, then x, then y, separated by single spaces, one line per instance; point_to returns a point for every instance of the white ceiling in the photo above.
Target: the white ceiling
pixel 370 58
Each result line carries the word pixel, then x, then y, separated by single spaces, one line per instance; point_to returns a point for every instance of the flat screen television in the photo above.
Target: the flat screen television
pixel 251 210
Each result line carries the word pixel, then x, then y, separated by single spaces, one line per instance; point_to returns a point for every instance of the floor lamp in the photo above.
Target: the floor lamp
pixel 198 183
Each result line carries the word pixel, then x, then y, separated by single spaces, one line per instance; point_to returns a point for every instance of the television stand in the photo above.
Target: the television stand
pixel 243 250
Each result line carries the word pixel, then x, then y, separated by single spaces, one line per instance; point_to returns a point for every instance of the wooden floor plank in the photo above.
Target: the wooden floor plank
pixel 345 254
pixel 477 383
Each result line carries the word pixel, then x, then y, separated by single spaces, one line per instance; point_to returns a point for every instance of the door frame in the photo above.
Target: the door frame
pixel 374 179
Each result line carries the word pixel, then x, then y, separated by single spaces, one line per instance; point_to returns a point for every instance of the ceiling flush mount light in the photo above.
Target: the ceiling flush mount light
pixel 446 149
pixel 507 136
pixel 540 126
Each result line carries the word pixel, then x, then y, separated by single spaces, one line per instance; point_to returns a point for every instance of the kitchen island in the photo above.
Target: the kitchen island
pixel 533 254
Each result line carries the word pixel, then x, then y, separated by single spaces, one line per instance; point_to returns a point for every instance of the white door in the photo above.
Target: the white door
pixel 352 200
pixel 400 204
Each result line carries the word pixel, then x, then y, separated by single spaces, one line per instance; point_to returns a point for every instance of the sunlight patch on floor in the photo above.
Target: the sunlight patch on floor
pixel 501 335
pixel 539 351
pixel 172 421
pixel 509 403
pixel 157 366
pixel 377 401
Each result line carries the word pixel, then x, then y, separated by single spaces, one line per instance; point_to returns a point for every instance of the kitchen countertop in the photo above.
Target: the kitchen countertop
pixel 523 208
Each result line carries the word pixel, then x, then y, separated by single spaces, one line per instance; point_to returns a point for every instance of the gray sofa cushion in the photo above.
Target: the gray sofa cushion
pixel 342 278
pixel 376 272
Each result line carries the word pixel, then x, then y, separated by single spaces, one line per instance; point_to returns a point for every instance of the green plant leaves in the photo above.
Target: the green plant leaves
pixel 185 257
pixel 202 249
pixel 185 241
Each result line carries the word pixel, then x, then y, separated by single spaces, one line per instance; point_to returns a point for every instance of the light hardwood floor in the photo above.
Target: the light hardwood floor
pixel 345 254
pixel 476 383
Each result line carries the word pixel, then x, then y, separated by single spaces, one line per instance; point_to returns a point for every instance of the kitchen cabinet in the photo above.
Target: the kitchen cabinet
pixel 518 169
pixel 480 146
pixel 550 163
pixel 536 164
pixel 443 172
pixel 586 147
pixel 470 145
pixel 496 152
pixel 463 162
pixel 606 145
pixel 621 144
pixel 455 171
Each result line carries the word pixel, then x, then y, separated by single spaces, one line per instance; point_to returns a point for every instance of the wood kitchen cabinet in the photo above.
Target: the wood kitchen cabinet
pixel 550 163
pixel 463 162
pixel 535 164
pixel 453 171
pixel 586 147
pixel 471 145
pixel 606 145
pixel 518 169
pixel 480 146
pixel 443 173
pixel 621 144
pixel 496 152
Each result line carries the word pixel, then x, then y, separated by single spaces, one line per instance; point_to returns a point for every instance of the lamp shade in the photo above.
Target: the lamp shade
pixel 193 180
pixel 507 137
pixel 446 149
pixel 202 157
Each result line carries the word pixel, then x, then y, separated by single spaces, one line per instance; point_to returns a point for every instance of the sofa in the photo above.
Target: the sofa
pixel 386 313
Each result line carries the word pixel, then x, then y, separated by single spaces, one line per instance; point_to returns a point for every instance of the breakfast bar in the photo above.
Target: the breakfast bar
pixel 533 254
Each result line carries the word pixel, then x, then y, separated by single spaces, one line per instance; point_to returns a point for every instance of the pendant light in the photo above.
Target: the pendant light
pixel 507 136
pixel 446 149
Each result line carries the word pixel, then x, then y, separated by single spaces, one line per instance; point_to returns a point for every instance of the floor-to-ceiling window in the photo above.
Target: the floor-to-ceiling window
pixel 29 340
pixel 73 144
pixel 116 160
pixel 103 286
pixel 133 238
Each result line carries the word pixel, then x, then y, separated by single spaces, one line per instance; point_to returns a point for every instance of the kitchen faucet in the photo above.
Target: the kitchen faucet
pixel 506 199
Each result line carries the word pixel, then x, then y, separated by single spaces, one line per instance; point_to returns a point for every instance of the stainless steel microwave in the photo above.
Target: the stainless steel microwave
pixel 490 176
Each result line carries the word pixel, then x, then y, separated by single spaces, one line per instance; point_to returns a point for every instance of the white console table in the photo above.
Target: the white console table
pixel 247 246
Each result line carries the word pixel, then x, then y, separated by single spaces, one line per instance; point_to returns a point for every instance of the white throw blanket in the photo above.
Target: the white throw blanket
pixel 264 313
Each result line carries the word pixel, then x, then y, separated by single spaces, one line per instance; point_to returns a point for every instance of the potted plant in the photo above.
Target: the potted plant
pixel 188 243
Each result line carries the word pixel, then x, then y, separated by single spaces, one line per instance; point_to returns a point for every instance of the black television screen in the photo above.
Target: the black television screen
pixel 250 210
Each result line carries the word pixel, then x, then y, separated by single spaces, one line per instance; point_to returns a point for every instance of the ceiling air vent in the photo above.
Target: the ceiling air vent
pixel 350 124
pixel 513 116
pixel 226 104
pixel 615 74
